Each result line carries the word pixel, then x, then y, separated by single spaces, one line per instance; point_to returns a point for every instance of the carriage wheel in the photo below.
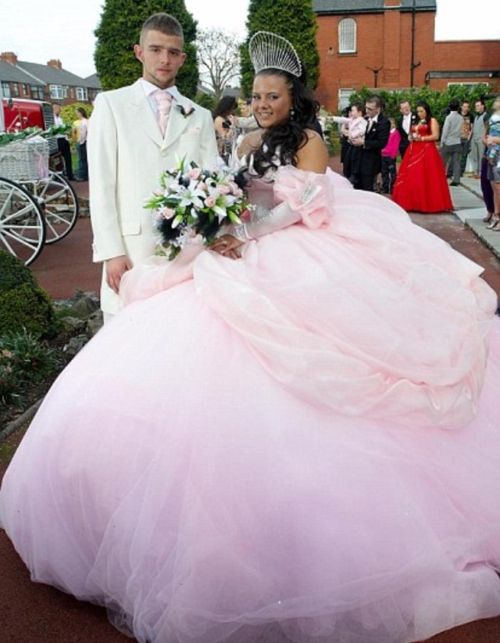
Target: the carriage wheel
pixel 22 228
pixel 59 204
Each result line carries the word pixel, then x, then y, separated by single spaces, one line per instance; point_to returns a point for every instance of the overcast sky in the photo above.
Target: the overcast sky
pixel 38 31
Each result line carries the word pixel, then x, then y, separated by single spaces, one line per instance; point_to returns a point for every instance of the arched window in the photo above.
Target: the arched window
pixel 347 36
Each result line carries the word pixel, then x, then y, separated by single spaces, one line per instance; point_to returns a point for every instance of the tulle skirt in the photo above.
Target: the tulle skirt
pixel 304 443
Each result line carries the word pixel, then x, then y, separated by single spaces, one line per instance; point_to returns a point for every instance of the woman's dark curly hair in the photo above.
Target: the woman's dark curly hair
pixel 282 141
pixel 427 107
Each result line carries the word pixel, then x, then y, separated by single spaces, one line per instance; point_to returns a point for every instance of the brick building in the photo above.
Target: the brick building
pixel 390 44
pixel 50 82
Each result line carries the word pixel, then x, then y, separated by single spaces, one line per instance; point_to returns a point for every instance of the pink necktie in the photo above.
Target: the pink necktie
pixel 164 102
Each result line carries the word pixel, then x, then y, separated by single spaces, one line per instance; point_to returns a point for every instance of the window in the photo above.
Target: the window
pixel 25 89
pixel 6 90
pixel 344 95
pixel 347 36
pixel 56 92
pixel 468 85
pixel 14 89
pixel 81 93
pixel 37 92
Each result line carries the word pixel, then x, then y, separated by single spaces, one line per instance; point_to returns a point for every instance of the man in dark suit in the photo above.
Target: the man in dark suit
pixel 406 121
pixel 376 137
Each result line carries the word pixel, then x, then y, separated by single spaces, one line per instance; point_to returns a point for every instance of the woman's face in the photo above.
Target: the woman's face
pixel 496 105
pixel 271 101
pixel 421 113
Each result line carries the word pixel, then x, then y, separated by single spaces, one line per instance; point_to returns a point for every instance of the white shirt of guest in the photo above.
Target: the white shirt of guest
pixel 371 121
pixel 407 122
pixel 150 89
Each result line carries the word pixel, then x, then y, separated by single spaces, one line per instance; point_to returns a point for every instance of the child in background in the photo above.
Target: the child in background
pixel 389 156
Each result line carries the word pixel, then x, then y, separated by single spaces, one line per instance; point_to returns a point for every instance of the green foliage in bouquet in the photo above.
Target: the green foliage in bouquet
pixel 118 32
pixel 294 20
pixel 23 304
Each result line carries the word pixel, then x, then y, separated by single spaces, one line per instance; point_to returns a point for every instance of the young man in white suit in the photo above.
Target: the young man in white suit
pixel 127 152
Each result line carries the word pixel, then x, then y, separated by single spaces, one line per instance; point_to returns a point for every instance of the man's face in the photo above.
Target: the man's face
pixel 161 57
pixel 465 108
pixel 56 109
pixel 405 108
pixel 479 107
pixel 372 110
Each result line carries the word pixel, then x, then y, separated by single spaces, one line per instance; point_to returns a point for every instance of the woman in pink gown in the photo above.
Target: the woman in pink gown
pixel 421 184
pixel 303 442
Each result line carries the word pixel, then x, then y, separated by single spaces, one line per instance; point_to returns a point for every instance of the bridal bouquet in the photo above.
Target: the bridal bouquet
pixel 192 202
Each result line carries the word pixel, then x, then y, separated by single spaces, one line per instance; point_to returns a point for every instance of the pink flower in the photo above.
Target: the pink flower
pixel 238 192
pixel 194 173
pixel 210 201
pixel 167 213
pixel 245 216
pixel 233 187
pixel 223 189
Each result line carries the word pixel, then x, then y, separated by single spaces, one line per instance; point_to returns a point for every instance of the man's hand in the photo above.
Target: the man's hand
pixel 114 270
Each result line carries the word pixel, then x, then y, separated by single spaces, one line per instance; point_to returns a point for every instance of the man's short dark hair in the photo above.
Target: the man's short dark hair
pixel 454 105
pixel 163 22
pixel 376 100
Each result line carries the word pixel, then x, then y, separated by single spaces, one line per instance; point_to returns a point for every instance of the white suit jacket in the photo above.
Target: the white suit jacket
pixel 127 154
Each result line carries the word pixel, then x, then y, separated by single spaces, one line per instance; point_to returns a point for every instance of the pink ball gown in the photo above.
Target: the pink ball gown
pixel 303 444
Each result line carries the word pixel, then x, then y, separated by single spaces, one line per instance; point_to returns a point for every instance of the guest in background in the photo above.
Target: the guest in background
pixel 492 154
pixel 405 123
pixel 223 116
pixel 389 156
pixel 421 184
pixel 477 145
pixel 465 135
pixel 451 146
pixel 62 143
pixel 81 144
pixel 376 137
pixel 353 130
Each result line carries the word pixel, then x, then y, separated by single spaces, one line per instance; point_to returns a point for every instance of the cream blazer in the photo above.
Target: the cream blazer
pixel 126 154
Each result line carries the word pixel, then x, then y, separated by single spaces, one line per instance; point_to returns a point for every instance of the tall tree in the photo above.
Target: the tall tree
pixel 118 32
pixel 218 58
pixel 295 20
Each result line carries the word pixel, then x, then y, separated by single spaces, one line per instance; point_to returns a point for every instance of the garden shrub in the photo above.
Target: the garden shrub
pixel 23 304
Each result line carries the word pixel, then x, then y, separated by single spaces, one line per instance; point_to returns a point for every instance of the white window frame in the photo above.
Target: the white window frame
pixel 6 93
pixel 469 85
pixel 82 94
pixel 343 98
pixel 57 92
pixel 348 36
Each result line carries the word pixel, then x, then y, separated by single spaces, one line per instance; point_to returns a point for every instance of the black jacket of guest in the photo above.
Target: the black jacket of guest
pixel 403 146
pixel 375 140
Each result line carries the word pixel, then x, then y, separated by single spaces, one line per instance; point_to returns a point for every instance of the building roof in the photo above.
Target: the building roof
pixel 51 75
pixel 11 73
pixel 92 82
pixel 369 6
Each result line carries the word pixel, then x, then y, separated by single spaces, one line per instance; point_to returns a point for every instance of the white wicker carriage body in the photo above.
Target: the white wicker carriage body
pixel 26 160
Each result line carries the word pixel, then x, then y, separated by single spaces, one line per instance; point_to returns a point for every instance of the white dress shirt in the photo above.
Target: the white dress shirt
pixel 150 89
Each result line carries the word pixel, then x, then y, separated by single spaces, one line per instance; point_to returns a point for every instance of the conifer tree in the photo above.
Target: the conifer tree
pixel 118 32
pixel 295 20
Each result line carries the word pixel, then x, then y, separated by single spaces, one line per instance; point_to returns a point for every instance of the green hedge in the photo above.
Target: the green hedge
pixel 438 100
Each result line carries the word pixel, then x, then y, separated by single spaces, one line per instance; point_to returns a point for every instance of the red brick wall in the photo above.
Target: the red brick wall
pixel 384 41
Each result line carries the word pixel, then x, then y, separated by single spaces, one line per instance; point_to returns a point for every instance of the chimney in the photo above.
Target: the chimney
pixel 8 57
pixel 57 64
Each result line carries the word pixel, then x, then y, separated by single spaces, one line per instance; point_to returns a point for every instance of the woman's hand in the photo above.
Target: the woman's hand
pixel 227 246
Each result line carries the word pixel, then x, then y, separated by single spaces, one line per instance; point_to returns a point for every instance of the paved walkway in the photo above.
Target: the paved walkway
pixel 32 613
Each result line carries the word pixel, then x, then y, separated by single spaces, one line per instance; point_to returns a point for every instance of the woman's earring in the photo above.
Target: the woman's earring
pixel 292 113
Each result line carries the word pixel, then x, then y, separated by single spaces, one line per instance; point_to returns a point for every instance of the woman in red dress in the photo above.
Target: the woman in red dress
pixel 421 184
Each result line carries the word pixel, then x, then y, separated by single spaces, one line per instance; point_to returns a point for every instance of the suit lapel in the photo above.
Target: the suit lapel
pixel 144 116
pixel 177 122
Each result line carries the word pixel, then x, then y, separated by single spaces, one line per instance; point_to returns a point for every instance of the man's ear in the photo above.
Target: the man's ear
pixel 138 53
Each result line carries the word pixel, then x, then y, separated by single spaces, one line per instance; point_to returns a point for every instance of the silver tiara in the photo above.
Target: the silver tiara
pixel 270 51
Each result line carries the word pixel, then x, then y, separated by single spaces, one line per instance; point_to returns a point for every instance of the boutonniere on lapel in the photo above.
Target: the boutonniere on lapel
pixel 185 112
